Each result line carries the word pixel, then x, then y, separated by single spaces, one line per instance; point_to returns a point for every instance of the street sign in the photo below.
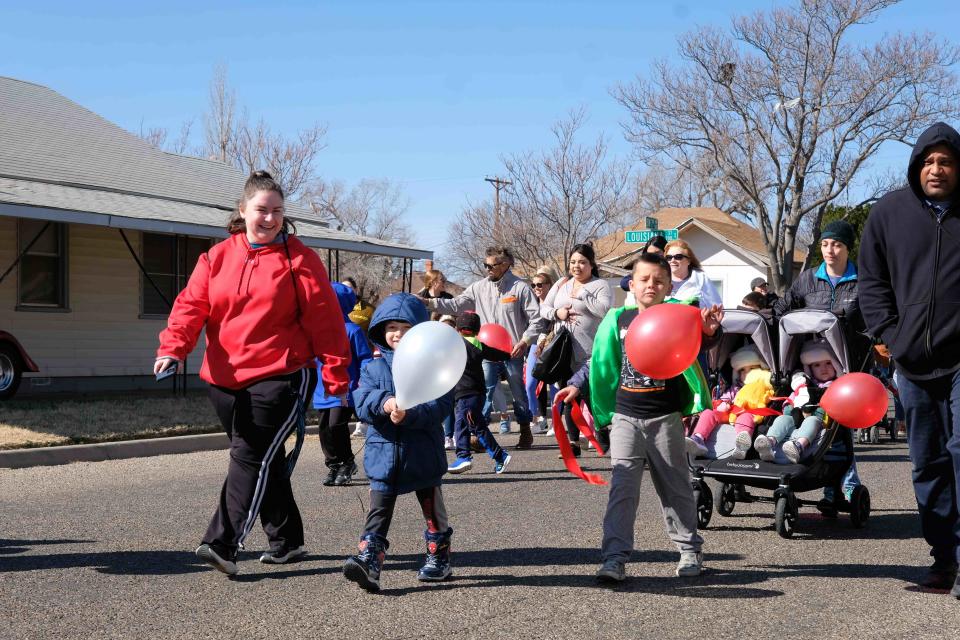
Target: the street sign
pixel 652 223
pixel 643 236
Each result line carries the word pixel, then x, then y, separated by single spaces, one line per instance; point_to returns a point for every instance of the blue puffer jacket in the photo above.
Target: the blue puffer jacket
pixel 360 352
pixel 408 456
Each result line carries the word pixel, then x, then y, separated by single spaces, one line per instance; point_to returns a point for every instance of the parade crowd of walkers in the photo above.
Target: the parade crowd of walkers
pixel 280 338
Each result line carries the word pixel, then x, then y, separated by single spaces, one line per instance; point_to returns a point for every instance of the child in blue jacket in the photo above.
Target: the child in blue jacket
pixel 404 451
pixel 335 414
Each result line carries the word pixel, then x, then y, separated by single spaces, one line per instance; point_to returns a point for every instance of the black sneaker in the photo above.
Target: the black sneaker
pixel 345 474
pixel 283 556
pixel 206 553
pixel 331 478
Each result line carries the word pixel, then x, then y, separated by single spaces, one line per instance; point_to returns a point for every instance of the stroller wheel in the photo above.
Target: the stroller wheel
pixel 728 499
pixel 786 514
pixel 704 497
pixel 859 507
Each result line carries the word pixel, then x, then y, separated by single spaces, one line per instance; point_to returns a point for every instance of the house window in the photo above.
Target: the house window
pixel 718 285
pixel 43 267
pixel 168 260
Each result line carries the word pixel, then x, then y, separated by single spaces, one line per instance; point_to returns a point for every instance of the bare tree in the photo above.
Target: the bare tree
pixel 220 120
pixel 568 194
pixel 159 137
pixel 788 111
pixel 701 185
pixel 373 209
pixel 231 138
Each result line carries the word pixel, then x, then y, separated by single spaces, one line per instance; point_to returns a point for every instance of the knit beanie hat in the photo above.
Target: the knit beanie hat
pixel 841 231
pixel 747 356
pixel 817 351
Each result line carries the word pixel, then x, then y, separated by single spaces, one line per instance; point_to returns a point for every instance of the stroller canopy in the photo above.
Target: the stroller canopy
pixel 795 324
pixel 737 323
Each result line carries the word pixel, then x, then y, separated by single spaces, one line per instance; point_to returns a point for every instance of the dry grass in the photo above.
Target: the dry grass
pixel 47 422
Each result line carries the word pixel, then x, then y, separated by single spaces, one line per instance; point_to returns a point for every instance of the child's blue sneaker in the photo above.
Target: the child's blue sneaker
pixel 504 426
pixel 501 465
pixel 460 465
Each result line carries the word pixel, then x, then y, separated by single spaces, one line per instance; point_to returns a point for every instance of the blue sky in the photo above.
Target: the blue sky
pixel 426 93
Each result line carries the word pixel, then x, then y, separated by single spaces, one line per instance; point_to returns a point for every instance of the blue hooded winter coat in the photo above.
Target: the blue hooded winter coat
pixel 408 456
pixel 359 350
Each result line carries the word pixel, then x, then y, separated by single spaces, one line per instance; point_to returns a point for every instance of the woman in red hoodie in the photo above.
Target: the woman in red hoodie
pixel 269 310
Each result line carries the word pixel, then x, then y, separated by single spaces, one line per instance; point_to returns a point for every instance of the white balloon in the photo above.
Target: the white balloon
pixel 429 362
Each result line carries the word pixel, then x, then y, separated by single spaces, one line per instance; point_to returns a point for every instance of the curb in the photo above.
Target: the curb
pixel 101 451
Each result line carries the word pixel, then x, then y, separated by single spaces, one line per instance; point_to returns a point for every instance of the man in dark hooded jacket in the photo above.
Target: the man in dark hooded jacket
pixel 910 298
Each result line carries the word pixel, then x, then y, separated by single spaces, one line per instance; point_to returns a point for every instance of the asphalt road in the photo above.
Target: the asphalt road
pixel 104 550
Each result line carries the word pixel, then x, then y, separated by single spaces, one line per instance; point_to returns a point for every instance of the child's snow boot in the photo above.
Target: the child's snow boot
pixel 437 567
pixel 364 568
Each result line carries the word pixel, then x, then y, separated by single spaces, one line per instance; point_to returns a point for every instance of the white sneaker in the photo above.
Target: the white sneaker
pixel 690 565
pixel 793 449
pixel 696 448
pixel 743 444
pixel 359 432
pixel 540 426
pixel 764 446
pixel 448 443
pixel 549 432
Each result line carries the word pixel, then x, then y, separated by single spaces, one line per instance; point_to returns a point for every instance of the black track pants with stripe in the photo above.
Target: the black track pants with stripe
pixel 258 419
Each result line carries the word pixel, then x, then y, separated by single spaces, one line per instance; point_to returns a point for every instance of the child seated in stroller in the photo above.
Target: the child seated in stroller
pixel 820 369
pixel 738 396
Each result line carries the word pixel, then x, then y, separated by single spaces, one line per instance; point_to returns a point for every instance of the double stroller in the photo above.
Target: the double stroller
pixel 827 461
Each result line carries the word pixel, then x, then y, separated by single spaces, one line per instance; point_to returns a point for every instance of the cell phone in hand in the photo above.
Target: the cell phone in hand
pixel 169 371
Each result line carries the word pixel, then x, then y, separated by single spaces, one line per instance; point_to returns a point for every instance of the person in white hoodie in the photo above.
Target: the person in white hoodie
pixel 688 279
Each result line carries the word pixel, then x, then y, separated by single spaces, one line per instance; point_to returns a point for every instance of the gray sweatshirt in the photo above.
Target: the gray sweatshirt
pixel 509 302
pixel 590 305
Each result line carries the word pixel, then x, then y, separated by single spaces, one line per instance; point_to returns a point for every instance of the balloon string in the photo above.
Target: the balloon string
pixel 566 451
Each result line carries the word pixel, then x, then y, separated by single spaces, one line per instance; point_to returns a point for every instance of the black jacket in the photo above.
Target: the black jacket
pixel 910 272
pixel 472 381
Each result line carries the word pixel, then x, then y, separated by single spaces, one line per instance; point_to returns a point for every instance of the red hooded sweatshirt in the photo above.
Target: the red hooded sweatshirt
pixel 246 299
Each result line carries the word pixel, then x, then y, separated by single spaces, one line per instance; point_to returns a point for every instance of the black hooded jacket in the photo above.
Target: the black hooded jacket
pixel 910 271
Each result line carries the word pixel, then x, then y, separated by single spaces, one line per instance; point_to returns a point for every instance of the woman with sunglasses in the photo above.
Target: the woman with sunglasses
pixel 689 281
pixel 541 282
pixel 579 302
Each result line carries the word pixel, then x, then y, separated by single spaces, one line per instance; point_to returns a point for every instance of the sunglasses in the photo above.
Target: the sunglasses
pixel 491 267
pixel 679 257
pixel 538 285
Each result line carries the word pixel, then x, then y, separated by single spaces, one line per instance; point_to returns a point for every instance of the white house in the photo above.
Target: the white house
pixel 98 232
pixel 731 252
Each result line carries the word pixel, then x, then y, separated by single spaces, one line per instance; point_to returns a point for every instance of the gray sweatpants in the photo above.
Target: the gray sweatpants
pixel 660 442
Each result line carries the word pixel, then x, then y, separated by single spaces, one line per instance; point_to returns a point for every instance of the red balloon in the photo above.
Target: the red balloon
pixel 495 337
pixel 664 340
pixel 855 400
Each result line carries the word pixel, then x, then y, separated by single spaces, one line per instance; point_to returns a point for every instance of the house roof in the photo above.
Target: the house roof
pixel 60 161
pixel 744 236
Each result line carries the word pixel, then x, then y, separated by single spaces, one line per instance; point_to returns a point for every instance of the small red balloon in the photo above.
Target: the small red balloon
pixel 855 400
pixel 664 340
pixel 495 337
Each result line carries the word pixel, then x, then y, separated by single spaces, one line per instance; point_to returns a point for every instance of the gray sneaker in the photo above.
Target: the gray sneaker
pixel 690 565
pixel 612 571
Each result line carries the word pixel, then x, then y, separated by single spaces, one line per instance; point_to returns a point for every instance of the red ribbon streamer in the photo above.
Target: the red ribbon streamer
pixel 566 451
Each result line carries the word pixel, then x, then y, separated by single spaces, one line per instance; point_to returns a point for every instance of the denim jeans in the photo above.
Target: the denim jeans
pixel 533 402
pixel 932 409
pixel 514 370
pixel 475 424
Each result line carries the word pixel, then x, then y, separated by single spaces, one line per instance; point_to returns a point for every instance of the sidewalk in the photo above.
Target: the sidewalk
pixel 97 452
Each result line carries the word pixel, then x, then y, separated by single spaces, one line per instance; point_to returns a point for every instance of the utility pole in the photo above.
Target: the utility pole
pixel 498 184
